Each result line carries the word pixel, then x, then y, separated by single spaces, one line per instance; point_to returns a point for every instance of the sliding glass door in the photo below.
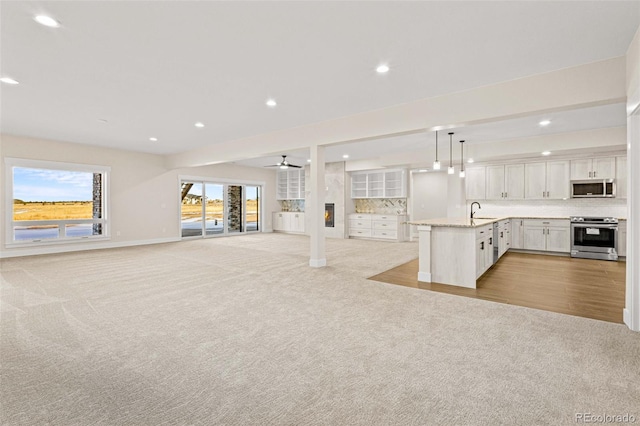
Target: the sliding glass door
pixel 209 209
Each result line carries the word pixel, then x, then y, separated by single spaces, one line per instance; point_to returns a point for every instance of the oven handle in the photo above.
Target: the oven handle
pixel 586 225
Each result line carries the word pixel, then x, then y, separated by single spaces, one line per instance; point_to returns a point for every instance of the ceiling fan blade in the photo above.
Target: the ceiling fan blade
pixel 294 166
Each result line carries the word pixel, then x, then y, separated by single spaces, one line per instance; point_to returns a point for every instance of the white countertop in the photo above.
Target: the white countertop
pixel 465 222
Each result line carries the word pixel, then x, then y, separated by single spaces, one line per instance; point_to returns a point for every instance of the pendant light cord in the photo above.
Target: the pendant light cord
pixel 450 149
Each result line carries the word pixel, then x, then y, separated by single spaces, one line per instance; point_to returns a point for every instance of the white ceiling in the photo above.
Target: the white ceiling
pixel 152 69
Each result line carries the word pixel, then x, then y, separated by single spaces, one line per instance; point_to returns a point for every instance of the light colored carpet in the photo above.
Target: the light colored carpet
pixel 240 331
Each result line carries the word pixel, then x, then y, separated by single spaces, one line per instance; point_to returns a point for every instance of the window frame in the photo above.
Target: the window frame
pixel 11 163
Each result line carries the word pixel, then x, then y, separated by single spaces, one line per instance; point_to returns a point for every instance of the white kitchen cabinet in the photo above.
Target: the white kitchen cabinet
pixel 505 182
pixel 379 184
pixel 558 181
pixel 547 181
pixel 288 222
pixel 475 183
pixel 593 168
pixel 504 236
pixel 621 177
pixel 379 226
pixel 484 249
pixel 290 184
pixel 547 235
pixel 517 235
pixel 622 238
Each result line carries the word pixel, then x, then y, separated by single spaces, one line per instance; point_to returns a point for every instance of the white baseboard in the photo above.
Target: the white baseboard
pixel 317 263
pixel 65 248
pixel 425 277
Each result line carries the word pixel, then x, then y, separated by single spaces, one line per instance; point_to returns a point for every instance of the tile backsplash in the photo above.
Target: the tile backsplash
pixel 291 205
pixel 381 205
pixel 555 208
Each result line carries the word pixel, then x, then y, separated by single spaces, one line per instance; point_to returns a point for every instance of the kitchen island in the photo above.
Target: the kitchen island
pixel 456 251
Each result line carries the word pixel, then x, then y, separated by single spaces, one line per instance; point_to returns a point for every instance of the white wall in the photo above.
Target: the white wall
pixel 615 207
pixel 429 195
pixel 632 303
pixel 144 194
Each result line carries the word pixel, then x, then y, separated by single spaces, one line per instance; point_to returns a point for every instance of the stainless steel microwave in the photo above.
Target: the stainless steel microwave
pixel 593 188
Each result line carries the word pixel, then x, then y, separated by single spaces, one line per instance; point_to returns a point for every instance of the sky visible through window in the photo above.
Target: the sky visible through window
pixel 51 185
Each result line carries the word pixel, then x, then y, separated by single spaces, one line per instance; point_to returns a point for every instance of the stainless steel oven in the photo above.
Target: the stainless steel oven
pixel 594 237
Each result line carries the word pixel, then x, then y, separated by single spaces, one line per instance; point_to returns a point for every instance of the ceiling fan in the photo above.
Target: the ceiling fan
pixel 284 164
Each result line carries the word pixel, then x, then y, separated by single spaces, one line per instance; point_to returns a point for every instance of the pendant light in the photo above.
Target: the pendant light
pixel 462 174
pixel 436 164
pixel 450 169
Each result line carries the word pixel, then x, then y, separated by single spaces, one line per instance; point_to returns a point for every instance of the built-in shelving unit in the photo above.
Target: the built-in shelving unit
pixel 379 184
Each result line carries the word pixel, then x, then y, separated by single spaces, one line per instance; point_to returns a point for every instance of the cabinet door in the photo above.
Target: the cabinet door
pixel 359 185
pixel 281 185
pixel 559 239
pixel 495 182
pixel 582 169
pixel 604 168
pixel 621 177
pixel 514 181
pixel 475 183
pixel 278 221
pixel 481 248
pixel 375 185
pixel 297 222
pixel 488 254
pixel 622 238
pixel 535 175
pixel 395 184
pixel 535 238
pixel 517 234
pixel 558 182
pixel 294 184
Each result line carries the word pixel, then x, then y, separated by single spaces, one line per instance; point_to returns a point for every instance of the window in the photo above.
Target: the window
pixel 54 202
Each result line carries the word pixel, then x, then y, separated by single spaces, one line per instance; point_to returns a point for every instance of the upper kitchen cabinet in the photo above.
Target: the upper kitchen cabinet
pixel 593 168
pixel 621 177
pixel 505 182
pixel 379 184
pixel 475 183
pixel 547 181
pixel 290 184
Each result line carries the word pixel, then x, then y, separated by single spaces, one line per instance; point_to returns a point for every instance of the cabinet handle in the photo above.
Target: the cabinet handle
pixel 482 245
pixel 589 174
pixel 506 195
pixel 491 241
pixel 594 174
pixel 542 194
pixel 501 235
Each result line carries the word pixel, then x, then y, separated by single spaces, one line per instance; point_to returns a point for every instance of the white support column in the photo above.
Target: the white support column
pixel 632 306
pixel 424 250
pixel 316 208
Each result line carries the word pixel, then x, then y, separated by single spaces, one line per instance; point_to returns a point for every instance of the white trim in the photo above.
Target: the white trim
pixel 317 263
pixel 51 249
pixel 425 277
pixel 209 179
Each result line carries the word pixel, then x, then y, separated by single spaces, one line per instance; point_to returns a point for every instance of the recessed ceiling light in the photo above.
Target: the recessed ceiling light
pixel 8 80
pixel 199 125
pixel 153 139
pixel 345 156
pixel 545 122
pixel 271 103
pixel 47 21
pixel 546 152
pixel 382 69
pixel 470 160
pixel 308 160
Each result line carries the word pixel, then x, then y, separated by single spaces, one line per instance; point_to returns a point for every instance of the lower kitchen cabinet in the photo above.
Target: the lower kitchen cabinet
pixel 379 226
pixel 622 238
pixel 484 249
pixel 547 235
pixel 288 222
pixel 517 233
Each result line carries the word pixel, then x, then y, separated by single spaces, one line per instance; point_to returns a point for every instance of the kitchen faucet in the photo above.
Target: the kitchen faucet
pixel 472 213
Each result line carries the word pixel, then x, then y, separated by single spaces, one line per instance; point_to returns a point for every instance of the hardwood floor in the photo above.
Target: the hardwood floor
pixel 582 287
